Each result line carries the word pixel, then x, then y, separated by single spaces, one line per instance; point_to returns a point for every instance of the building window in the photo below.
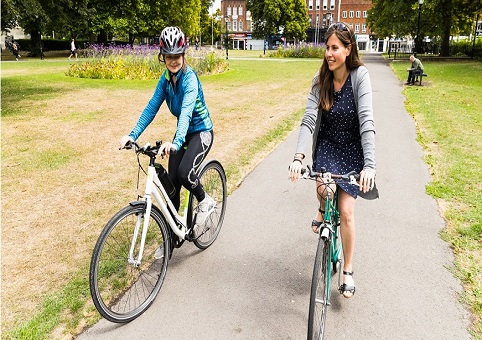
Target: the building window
pixel 240 25
pixel 325 3
pixel 228 24
pixel 364 14
pixel 357 28
pixel 235 26
pixel 351 14
pixel 248 15
pixel 332 5
pixel 240 11
pixel 229 11
pixel 364 28
pixel 358 14
pixel 235 11
pixel 310 4
pixel 317 4
pixel 343 14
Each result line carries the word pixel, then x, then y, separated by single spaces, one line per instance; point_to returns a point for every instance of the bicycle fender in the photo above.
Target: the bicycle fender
pixel 143 203
pixel 205 163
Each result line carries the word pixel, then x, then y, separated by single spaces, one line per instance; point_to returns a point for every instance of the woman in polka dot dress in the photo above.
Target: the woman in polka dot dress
pixel 339 116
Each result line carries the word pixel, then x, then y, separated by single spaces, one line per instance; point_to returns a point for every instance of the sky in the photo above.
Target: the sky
pixel 217 4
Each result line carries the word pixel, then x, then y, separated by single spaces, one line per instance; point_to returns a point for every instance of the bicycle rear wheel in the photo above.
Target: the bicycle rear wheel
pixel 213 180
pixel 120 288
pixel 319 291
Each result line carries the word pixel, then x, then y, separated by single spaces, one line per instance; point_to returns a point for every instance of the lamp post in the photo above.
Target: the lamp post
pixel 418 43
pixel 227 40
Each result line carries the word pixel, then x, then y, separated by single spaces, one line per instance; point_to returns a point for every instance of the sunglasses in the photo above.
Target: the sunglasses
pixel 339 26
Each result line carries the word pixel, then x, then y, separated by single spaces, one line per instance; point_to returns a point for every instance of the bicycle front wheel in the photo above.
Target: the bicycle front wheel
pixel 122 287
pixel 319 291
pixel 213 180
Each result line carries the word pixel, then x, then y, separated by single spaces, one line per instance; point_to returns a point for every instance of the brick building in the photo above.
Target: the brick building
pixel 237 21
pixel 321 14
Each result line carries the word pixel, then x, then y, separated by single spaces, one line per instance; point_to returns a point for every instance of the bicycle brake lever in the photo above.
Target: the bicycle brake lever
pixel 353 180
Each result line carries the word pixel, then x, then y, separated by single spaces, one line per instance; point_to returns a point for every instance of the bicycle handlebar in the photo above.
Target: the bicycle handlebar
pixel 351 177
pixel 151 151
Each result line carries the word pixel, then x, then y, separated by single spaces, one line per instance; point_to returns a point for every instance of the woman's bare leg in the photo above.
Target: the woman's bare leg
pixel 346 206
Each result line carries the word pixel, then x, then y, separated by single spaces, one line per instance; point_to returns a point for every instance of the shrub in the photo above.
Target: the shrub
pixel 302 50
pixel 137 62
pixel 466 48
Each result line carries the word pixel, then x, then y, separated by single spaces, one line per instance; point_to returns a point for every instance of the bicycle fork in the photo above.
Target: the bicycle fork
pixel 333 263
pixel 147 213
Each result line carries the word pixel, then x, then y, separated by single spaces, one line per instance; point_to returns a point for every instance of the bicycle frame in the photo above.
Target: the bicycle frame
pixel 330 231
pixel 155 188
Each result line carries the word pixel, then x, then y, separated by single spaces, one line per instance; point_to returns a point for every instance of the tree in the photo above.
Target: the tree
pixel 9 15
pixel 211 28
pixel 270 17
pixel 102 19
pixel 439 19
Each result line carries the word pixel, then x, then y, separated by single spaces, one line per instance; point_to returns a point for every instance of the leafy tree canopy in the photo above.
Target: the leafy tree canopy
pixel 289 17
pixel 102 18
pixel 438 18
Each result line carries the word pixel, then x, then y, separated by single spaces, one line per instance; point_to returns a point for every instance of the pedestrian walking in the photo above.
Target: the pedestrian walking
pixel 73 50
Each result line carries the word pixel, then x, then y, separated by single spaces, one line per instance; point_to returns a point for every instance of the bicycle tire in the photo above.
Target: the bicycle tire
pixel 213 180
pixel 121 291
pixel 319 291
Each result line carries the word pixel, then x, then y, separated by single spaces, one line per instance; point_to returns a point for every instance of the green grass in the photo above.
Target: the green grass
pixel 64 306
pixel 447 110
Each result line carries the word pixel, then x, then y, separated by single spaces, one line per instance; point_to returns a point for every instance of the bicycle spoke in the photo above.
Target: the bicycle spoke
pixel 123 289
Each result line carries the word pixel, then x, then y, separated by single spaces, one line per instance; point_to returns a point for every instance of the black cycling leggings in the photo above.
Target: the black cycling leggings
pixel 183 165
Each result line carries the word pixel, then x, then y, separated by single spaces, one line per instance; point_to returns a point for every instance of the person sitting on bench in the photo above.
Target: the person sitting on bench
pixel 416 69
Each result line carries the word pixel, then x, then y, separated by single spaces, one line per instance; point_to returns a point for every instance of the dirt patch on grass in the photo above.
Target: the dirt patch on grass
pixel 63 176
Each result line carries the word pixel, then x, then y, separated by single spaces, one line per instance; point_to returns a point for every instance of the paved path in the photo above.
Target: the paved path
pixel 254 282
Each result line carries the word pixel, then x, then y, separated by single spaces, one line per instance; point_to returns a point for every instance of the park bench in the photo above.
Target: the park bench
pixel 419 77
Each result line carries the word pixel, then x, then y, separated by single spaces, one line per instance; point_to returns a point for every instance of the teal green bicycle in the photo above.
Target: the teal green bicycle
pixel 328 258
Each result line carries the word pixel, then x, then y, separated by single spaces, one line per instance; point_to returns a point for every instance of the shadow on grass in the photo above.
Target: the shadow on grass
pixel 16 91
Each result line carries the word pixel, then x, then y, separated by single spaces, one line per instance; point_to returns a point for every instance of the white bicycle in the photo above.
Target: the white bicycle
pixel 130 258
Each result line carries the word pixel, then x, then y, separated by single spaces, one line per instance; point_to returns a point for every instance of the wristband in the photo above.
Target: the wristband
pixel 302 155
pixel 297 159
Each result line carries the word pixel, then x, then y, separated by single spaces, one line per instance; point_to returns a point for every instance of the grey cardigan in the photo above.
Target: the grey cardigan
pixel 362 90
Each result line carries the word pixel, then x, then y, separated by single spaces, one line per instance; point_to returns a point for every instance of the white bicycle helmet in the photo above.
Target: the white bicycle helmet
pixel 172 41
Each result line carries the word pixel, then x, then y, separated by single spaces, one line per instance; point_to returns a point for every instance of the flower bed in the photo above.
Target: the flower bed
pixel 137 62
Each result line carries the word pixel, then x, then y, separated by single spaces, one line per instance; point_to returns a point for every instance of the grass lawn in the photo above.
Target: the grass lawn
pixel 447 111
pixel 63 177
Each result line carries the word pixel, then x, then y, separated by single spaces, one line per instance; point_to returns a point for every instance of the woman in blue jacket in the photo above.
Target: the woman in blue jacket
pixel 181 89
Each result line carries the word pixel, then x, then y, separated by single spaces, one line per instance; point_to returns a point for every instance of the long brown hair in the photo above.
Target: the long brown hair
pixel 325 79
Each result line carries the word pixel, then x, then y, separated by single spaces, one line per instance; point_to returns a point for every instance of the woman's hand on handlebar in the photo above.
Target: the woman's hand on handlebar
pixel 367 180
pixel 295 170
pixel 166 149
pixel 124 141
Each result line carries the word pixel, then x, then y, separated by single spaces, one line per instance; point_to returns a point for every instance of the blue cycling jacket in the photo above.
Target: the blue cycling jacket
pixel 185 100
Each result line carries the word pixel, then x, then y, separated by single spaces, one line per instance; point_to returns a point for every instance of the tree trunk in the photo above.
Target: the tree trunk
pixel 35 43
pixel 132 37
pixel 447 24
pixel 102 37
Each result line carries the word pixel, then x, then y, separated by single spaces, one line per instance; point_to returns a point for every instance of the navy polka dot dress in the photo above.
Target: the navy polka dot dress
pixel 338 147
